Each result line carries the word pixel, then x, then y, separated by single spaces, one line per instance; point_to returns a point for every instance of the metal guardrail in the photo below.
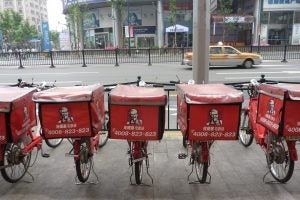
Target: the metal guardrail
pixel 141 55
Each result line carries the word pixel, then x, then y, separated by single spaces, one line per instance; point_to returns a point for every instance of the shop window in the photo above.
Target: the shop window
pixel 297 18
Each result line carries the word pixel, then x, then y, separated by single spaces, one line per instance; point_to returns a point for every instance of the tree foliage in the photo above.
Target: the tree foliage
pixel 225 8
pixel 172 17
pixel 54 36
pixel 16 31
pixel 118 6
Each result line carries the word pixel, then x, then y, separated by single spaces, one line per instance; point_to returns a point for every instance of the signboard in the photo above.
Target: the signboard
pixel 213 5
pixel 46 37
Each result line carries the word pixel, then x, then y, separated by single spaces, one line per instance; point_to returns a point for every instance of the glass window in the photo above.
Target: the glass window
pixel 215 50
pixel 229 50
pixel 281 17
pixel 297 18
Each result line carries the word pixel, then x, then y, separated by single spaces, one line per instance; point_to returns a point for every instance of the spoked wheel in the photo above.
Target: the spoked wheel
pixel 279 160
pixel 53 143
pixel 83 163
pixel 15 163
pixel 201 167
pixel 138 172
pixel 104 132
pixel 245 133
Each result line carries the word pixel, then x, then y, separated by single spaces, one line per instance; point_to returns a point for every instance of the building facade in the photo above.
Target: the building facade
pixel 146 23
pixel 35 11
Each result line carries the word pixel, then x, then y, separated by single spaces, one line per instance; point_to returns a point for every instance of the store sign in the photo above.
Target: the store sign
pixel 234 19
pixel 46 36
pixel 144 30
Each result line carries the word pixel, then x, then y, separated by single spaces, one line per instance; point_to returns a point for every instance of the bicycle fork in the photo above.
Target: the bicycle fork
pixel 138 153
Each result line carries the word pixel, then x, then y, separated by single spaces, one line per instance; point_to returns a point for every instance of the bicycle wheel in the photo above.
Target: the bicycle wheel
pixel 53 143
pixel 16 163
pixel 104 132
pixel 279 160
pixel 200 167
pixel 138 172
pixel 83 163
pixel 245 133
pixel 184 141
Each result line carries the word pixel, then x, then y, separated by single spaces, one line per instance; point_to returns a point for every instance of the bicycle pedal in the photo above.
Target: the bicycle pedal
pixel 45 155
pixel 182 156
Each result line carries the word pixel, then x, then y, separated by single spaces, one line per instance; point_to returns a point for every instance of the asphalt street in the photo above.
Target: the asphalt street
pixel 236 172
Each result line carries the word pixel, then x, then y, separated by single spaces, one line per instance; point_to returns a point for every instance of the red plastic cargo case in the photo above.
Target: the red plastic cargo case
pixel 71 112
pixel 17 113
pixel 137 113
pixel 278 109
pixel 208 111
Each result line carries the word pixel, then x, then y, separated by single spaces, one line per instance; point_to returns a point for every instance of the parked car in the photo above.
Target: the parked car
pixel 223 55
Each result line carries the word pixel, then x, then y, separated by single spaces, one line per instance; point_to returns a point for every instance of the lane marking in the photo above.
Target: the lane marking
pixel 58 73
pixel 255 77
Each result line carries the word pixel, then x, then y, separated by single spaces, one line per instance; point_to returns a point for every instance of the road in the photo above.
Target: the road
pixel 66 75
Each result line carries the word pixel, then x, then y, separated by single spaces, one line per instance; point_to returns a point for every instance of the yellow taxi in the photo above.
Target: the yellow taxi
pixel 224 55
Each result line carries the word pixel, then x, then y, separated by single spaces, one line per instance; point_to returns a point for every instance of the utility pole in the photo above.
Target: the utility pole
pixel 201 40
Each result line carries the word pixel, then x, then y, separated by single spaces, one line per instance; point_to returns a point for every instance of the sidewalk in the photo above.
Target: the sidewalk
pixel 236 173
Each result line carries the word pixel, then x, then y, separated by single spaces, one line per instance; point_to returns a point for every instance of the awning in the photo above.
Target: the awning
pixel 179 28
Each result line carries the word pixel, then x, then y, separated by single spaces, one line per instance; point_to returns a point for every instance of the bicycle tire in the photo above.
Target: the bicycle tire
pixel 13 156
pixel 245 132
pixel 83 163
pixel 184 141
pixel 103 138
pixel 53 143
pixel 201 168
pixel 138 172
pixel 282 161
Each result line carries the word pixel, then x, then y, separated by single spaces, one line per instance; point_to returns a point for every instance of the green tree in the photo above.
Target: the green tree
pixel 77 12
pixel 118 6
pixel 225 8
pixel 16 31
pixel 54 36
pixel 172 19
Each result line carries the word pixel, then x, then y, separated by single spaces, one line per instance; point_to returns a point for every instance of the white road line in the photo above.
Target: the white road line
pixel 62 82
pixel 280 72
pixel 255 77
pixel 57 73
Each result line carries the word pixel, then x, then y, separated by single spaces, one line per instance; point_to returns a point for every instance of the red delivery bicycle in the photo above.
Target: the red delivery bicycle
pixel 206 113
pixel 76 113
pixel 271 118
pixel 17 117
pixel 137 114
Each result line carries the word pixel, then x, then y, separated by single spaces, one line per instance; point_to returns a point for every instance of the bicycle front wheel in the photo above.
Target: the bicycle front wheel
pixel 83 163
pixel 245 132
pixel 201 167
pixel 53 143
pixel 104 132
pixel 15 163
pixel 279 160
pixel 138 172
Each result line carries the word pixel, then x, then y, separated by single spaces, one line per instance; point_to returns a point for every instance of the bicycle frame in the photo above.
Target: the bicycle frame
pixel 280 151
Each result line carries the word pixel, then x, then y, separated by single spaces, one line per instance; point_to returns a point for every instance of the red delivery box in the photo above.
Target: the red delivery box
pixel 208 111
pixel 71 112
pixel 137 113
pixel 17 113
pixel 278 108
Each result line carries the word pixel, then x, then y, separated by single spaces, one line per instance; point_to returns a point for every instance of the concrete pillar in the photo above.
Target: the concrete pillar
pixel 201 40
pixel 256 30
pixel 160 25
